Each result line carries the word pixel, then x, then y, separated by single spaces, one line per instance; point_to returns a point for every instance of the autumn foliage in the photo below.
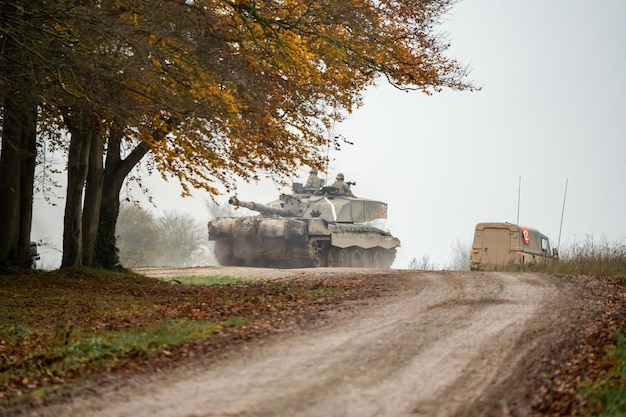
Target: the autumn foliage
pixel 254 86
pixel 212 90
pixel 220 88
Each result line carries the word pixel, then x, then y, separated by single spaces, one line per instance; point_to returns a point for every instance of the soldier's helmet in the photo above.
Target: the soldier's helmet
pixel 340 176
pixel 313 171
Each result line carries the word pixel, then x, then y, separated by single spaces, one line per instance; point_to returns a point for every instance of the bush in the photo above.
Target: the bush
pixel 589 257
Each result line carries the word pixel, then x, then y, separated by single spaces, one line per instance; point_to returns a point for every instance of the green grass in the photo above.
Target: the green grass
pixel 103 348
pixel 106 348
pixel 607 397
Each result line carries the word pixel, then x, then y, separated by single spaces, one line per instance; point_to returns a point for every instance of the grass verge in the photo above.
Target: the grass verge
pixel 56 326
pixel 589 257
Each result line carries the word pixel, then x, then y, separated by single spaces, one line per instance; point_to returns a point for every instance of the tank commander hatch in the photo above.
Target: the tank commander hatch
pixel 313 182
pixel 342 187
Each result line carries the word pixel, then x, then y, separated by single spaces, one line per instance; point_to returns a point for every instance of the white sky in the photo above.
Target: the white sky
pixel 552 107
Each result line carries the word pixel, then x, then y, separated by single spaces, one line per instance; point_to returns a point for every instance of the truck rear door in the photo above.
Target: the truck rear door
pixel 496 247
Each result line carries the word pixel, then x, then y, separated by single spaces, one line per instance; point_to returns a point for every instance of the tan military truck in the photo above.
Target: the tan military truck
pixel 498 245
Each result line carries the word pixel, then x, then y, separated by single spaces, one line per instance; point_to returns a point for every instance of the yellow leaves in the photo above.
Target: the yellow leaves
pixel 255 85
pixel 61 30
pixel 131 17
pixel 157 64
pixel 209 90
pixel 161 126
pixel 153 39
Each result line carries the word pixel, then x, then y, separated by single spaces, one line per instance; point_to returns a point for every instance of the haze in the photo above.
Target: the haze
pixel 552 108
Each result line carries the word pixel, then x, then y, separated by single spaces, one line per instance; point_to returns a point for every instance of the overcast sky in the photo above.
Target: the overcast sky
pixel 552 109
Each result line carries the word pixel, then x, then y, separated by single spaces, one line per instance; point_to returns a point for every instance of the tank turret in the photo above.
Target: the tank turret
pixel 316 228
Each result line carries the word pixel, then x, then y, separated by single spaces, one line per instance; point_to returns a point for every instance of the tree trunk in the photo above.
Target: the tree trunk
pixel 17 170
pixel 78 123
pixel 93 196
pixel 115 172
pixel 19 143
pixel 106 253
pixel 10 167
pixel 27 181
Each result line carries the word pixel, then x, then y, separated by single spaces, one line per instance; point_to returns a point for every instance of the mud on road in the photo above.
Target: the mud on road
pixel 436 344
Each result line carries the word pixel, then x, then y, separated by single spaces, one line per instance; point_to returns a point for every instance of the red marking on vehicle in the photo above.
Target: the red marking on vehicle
pixel 525 235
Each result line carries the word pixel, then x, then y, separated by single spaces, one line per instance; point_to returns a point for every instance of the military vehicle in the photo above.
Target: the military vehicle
pixel 498 245
pixel 309 228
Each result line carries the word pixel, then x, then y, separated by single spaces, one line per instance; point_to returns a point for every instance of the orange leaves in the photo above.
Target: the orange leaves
pixel 132 17
pixel 583 362
pixel 236 75
pixel 153 40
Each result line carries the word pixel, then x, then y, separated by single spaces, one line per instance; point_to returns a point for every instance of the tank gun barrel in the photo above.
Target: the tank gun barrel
pixel 261 208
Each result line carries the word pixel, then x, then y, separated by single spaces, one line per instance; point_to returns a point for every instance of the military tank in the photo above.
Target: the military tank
pixel 309 228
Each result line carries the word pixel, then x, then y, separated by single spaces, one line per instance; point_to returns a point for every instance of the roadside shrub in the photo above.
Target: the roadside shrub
pixel 589 257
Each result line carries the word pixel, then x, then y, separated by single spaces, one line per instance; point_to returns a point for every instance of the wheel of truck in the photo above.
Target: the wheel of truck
pixel 356 258
pixel 379 260
pixel 319 258
pixel 367 260
pixel 332 258
pixel 343 259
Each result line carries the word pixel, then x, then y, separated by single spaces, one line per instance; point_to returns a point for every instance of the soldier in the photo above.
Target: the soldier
pixel 313 182
pixel 342 187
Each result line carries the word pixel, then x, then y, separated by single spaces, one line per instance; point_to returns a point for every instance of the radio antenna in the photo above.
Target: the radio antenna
pixel 519 192
pixel 558 246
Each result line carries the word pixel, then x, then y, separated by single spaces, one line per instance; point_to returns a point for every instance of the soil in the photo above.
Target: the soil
pixel 429 343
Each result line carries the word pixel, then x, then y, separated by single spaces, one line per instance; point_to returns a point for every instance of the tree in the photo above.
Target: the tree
pixel 115 171
pixel 19 94
pixel 36 75
pixel 235 87
pixel 17 171
pixel 57 57
pixel 80 122
pixel 460 253
pixel 174 239
pixel 286 71
pixel 139 240
pixel 182 239
pixel 247 72
pixel 424 264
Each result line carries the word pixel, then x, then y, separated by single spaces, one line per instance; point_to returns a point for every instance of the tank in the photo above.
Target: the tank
pixel 309 228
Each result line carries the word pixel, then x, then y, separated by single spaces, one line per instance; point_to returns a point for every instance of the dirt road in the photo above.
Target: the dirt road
pixel 440 344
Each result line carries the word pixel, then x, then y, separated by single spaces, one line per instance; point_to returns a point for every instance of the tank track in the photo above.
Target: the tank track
pixel 322 254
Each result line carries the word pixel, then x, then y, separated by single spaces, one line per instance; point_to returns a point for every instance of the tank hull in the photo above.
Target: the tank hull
pixel 289 243
pixel 305 230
